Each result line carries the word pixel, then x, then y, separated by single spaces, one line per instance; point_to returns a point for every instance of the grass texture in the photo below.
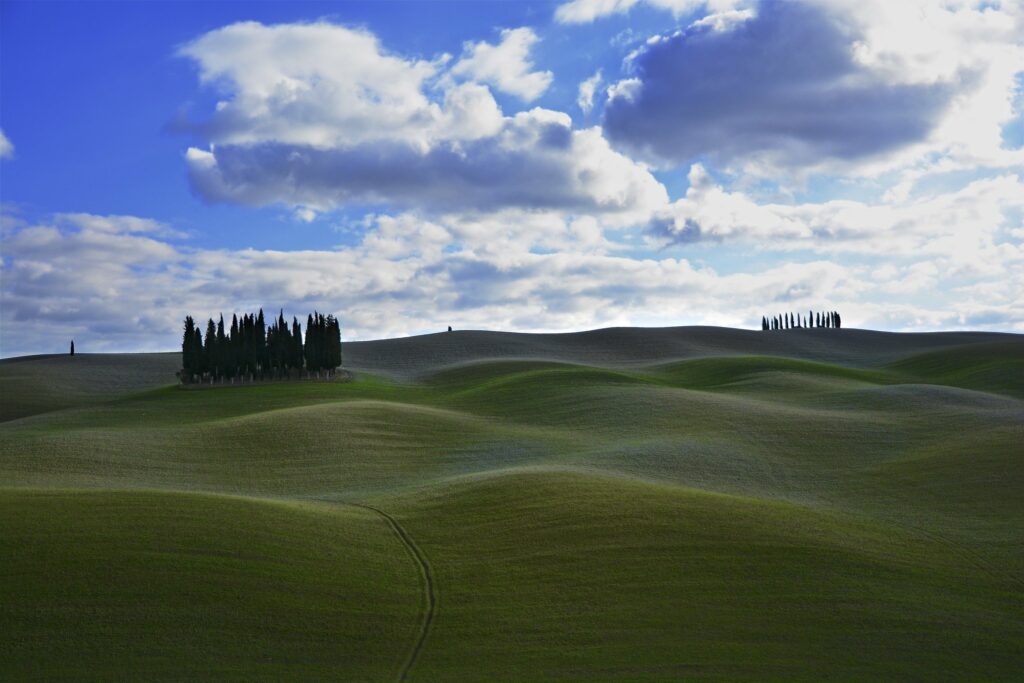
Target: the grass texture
pixel 625 504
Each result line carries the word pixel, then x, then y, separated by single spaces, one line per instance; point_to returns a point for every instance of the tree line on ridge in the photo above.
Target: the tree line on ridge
pixel 788 321
pixel 250 350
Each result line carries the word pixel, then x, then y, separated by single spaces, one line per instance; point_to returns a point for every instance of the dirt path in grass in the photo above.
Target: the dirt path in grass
pixel 428 584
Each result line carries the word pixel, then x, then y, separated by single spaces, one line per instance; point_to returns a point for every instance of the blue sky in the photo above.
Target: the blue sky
pixel 508 165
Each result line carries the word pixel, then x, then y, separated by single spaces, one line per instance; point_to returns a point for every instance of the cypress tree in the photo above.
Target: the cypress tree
pixel 280 352
pixel 188 362
pixel 210 352
pixel 318 337
pixel 261 342
pixel 310 351
pixel 234 352
pixel 222 349
pixel 248 361
pixel 198 355
pixel 333 343
pixel 295 352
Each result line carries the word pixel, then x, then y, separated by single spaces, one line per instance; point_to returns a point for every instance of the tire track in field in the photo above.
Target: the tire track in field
pixel 428 584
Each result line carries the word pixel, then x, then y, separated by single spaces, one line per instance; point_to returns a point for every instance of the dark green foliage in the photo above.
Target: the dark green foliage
pixel 295 352
pixel 262 355
pixel 210 351
pixel 248 349
pixel 333 342
pixel 188 359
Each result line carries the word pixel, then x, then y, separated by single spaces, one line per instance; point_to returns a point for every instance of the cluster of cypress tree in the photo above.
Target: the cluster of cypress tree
pixel 250 350
pixel 788 321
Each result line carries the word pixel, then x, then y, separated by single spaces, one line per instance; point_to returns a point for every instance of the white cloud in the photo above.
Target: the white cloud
pixel 507 65
pixel 918 87
pixel 317 116
pixel 316 84
pixel 724 21
pixel 6 148
pixel 588 88
pixel 304 214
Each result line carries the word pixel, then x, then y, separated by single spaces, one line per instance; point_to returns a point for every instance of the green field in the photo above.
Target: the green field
pixel 624 504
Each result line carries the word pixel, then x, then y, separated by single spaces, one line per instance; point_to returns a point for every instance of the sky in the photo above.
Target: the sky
pixel 526 166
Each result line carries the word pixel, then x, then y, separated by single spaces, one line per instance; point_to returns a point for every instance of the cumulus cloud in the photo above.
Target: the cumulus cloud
pixel 311 84
pixel 507 65
pixel 782 86
pixel 536 161
pixel 925 42
pixel 317 116
pixel 840 86
pixel 6 148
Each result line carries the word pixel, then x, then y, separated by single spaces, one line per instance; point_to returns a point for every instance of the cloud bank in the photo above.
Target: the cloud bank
pixel 125 283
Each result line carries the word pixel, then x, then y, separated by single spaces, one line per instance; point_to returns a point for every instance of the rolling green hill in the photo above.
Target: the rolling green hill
pixel 624 504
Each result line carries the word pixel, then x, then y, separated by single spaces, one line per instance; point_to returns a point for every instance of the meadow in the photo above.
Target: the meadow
pixel 621 504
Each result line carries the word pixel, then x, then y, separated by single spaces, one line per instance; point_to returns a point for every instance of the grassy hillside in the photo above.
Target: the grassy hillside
pixel 618 504
pixel 145 585
pixel 37 384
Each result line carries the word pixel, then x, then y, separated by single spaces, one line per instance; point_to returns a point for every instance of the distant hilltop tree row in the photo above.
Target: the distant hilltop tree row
pixel 788 321
pixel 251 350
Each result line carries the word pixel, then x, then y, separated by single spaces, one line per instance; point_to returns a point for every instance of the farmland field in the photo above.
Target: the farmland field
pixel 621 504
